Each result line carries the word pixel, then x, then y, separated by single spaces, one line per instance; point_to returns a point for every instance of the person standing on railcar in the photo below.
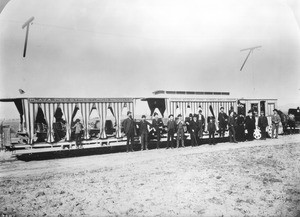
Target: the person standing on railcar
pixel 222 118
pixel 171 127
pixel 157 124
pixel 262 124
pixel 180 131
pixel 78 133
pixel 250 125
pixel 129 128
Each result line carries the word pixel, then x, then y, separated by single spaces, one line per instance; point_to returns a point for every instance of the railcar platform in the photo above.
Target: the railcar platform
pixel 45 151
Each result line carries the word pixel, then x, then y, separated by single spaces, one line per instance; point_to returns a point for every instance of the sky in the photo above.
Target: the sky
pixel 117 48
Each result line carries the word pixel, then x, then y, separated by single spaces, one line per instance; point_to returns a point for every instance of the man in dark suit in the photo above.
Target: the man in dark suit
pixel 211 128
pixel 144 130
pixel 194 128
pixel 222 118
pixel 180 131
pixel 250 125
pixel 157 124
pixel 262 124
pixel 129 131
pixel 201 122
pixel 231 127
pixel 240 132
pixel 171 127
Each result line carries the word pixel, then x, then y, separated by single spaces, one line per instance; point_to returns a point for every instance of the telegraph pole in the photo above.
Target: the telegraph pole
pixel 251 49
pixel 26 24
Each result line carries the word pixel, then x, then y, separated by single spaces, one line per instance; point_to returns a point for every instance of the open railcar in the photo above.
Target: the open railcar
pixel 50 120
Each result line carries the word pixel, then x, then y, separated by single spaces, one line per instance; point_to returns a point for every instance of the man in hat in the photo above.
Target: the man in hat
pixel 240 132
pixel 129 131
pixel 231 127
pixel 262 124
pixel 188 123
pixel 222 118
pixel 180 131
pixel 157 124
pixel 250 125
pixel 171 127
pixel 78 128
pixel 194 128
pixel 275 123
pixel 144 130
pixel 211 127
pixel 201 122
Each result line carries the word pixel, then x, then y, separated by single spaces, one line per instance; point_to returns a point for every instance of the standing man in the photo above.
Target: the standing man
pixel 201 122
pixel 157 124
pixel 275 123
pixel 171 127
pixel 262 124
pixel 78 128
pixel 250 125
pixel 231 126
pixel 222 118
pixel 194 128
pixel 230 110
pixel 180 131
pixel 188 122
pixel 129 131
pixel 143 129
pixel 240 132
pixel 211 127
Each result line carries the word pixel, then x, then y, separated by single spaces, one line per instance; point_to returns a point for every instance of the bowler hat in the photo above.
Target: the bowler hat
pixel 129 112
pixel 171 115
pixel 143 116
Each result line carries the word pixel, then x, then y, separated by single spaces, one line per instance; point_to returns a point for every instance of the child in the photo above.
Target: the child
pixel 211 127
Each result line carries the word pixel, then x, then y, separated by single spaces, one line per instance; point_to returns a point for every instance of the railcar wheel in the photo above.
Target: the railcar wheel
pixel 269 131
pixel 257 134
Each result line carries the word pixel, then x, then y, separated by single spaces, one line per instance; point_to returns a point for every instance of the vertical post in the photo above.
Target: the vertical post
pixel 26 39
pixel 26 24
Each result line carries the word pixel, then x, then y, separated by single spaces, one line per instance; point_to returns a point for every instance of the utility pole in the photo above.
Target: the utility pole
pixel 251 49
pixel 26 24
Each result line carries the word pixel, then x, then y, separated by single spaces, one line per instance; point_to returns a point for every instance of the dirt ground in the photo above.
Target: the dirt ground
pixel 259 178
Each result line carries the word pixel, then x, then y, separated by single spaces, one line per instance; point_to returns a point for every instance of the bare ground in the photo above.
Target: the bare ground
pixel 259 178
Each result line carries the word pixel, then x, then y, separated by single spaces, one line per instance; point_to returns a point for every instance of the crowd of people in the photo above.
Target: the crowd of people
pixel 240 128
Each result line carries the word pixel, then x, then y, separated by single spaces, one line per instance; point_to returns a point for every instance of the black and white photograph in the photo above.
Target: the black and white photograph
pixel 150 108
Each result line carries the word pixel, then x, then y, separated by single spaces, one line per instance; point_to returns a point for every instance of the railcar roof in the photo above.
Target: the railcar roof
pixel 69 99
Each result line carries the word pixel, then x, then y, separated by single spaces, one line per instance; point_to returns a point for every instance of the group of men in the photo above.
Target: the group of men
pixel 237 125
pixel 195 126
